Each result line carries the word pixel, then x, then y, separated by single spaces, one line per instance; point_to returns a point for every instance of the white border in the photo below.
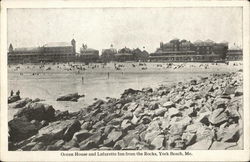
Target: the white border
pixel 204 155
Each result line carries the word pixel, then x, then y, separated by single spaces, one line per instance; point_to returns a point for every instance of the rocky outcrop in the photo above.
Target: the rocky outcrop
pixel 70 97
pixel 13 98
pixel 20 103
pixel 37 111
pixel 202 114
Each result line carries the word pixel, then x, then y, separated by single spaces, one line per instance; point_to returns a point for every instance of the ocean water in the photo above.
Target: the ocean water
pixel 93 85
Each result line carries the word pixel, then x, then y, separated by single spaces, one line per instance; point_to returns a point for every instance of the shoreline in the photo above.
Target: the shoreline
pixel 140 119
pixel 119 67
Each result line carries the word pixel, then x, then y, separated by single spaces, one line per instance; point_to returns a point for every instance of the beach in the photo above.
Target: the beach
pixel 99 83
pixel 198 106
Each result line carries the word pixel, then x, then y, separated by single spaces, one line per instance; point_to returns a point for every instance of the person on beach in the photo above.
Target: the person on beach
pixel 108 75
pixel 18 93
pixel 82 79
pixel 11 93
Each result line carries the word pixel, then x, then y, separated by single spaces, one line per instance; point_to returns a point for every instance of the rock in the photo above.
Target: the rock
pixel 189 138
pixel 168 104
pixel 145 120
pixel 218 117
pixel 87 145
pixel 70 144
pixel 193 82
pixel 44 123
pixel 201 145
pixel 173 112
pixel 29 146
pixel 114 135
pixel 221 145
pixel 203 118
pixel 87 125
pixel 150 135
pixel 126 124
pixel 69 97
pixel 158 142
pixel 39 147
pixel 132 106
pixel 153 106
pixel 74 149
pixel 20 129
pixel 82 135
pixel 13 98
pixel 61 114
pixel 20 103
pixel 229 134
pixel 37 111
pixel 147 90
pixel 135 120
pixel 119 145
pixel 56 130
pixel 74 127
pixel 57 145
pixel 229 90
pixel 129 91
pixel 160 111
pixel 192 128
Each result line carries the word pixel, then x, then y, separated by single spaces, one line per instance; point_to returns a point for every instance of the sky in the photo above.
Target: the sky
pixel 130 27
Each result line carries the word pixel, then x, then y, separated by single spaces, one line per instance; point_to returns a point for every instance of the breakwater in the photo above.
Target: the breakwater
pixel 200 114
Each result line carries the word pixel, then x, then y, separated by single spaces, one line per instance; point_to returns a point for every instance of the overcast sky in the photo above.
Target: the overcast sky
pixel 130 27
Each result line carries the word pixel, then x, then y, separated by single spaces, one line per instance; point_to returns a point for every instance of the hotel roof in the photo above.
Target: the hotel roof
pixel 58 44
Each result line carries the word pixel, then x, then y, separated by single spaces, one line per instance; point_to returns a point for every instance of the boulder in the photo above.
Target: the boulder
pixel 204 144
pixel 126 124
pixel 150 135
pixel 72 128
pixel 160 112
pixel 193 82
pixel 147 90
pixel 229 134
pixel 218 117
pixel 229 90
pixel 13 98
pixel 158 142
pixel 57 130
pixel 70 97
pixel 20 103
pixel 129 92
pixel 82 135
pixel 168 104
pixel 221 145
pixel 20 129
pixel 173 112
pixel 189 138
pixel 37 111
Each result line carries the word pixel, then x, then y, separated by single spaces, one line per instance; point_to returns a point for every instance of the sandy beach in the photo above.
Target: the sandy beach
pixel 125 67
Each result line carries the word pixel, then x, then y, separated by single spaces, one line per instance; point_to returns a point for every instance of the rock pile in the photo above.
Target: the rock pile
pixel 70 97
pixel 203 114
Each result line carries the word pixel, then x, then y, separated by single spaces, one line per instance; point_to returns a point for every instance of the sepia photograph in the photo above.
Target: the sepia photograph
pixel 125 78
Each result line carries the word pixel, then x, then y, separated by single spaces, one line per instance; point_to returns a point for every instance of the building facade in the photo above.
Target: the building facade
pixel 186 51
pixel 51 52
pixel 87 55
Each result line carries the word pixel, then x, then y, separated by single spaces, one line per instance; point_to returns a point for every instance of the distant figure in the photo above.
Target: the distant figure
pixel 82 79
pixel 18 93
pixel 11 93
pixel 108 75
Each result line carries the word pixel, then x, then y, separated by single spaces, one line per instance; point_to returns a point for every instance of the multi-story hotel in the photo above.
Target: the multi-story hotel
pixel 51 52
pixel 185 51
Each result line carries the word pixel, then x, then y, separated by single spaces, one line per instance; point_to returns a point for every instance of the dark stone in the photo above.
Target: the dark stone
pixel 20 129
pixel 20 103
pixel 74 127
pixel 13 98
pixel 69 97
pixel 37 111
